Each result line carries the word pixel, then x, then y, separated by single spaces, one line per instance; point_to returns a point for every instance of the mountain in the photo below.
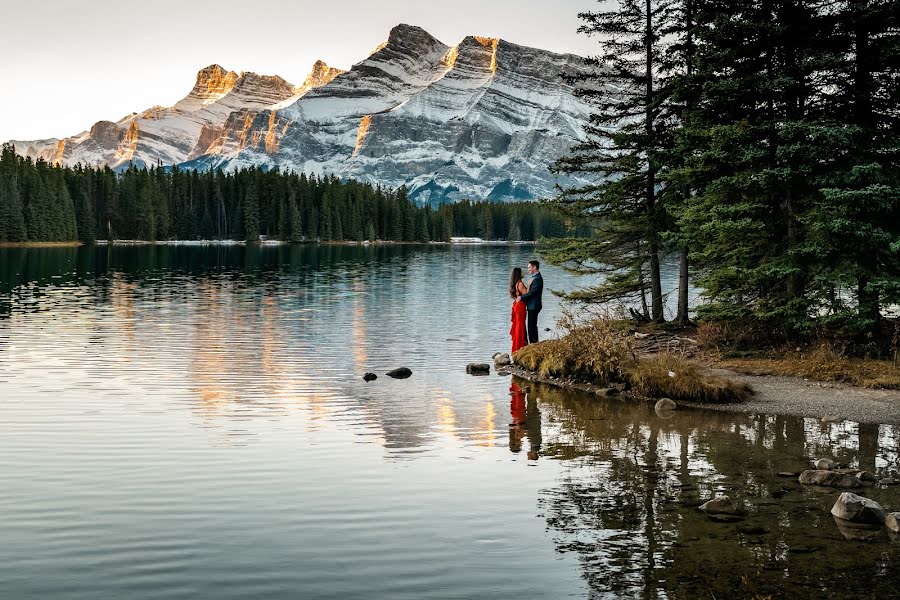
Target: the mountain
pixel 482 120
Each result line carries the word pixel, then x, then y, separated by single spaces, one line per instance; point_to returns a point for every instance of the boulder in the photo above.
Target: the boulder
pixel 858 510
pixel 401 373
pixel 501 359
pixel 892 522
pixel 829 479
pixel 720 505
pixel 478 368
pixel 866 477
pixel 665 404
pixel 370 376
pixel 825 464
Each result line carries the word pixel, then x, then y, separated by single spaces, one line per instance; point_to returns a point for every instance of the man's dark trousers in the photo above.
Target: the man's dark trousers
pixel 532 326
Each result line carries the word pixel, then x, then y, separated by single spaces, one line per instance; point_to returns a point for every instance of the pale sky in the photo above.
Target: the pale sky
pixel 66 64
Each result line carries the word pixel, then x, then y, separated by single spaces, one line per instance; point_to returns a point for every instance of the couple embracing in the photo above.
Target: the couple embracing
pixel 526 305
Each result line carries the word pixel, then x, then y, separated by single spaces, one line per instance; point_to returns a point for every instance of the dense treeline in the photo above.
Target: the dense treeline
pixel 40 202
pixel 758 141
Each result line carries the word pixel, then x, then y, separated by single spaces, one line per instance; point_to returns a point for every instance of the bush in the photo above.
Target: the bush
pixel 600 353
pixel 673 376
pixel 593 352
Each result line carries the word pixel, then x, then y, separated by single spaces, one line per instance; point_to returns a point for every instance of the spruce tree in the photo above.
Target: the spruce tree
pixel 251 215
pixel 619 159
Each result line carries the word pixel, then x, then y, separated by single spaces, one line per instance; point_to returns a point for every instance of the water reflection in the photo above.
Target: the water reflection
pixel 209 402
pixel 626 505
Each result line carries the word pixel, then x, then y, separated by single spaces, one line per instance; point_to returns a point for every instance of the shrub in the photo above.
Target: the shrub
pixel 673 376
pixel 593 352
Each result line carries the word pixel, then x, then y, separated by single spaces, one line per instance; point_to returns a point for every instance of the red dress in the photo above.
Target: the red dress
pixel 517 331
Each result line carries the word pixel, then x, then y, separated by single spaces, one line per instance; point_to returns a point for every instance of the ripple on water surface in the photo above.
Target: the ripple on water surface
pixel 192 422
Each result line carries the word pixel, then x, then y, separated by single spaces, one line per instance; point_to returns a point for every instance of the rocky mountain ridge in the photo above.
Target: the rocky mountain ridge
pixel 482 120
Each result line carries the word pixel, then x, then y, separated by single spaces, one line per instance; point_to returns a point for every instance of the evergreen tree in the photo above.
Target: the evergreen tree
pixel 251 215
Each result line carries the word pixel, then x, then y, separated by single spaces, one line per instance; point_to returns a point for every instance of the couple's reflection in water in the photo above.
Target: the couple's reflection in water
pixel 525 421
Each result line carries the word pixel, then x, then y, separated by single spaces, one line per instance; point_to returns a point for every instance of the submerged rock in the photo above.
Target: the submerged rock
pixel 401 373
pixel 370 377
pixel 825 464
pixel 720 505
pixel 478 368
pixel 892 522
pixel 858 510
pixel 665 404
pixel 829 479
pixel 867 477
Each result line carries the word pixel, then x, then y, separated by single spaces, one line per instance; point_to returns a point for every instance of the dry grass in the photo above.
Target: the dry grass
pixel 673 376
pixel 591 352
pixel 823 364
pixel 599 353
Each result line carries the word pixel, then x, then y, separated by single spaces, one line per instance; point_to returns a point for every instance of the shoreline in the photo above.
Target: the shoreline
pixel 41 244
pixel 773 395
pixel 74 244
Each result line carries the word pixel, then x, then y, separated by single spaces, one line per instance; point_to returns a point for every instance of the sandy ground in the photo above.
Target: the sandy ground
pixel 777 395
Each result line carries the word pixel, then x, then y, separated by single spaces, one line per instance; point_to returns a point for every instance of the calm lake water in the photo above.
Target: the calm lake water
pixel 191 422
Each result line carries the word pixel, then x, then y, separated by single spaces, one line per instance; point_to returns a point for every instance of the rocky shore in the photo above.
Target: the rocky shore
pixel 774 395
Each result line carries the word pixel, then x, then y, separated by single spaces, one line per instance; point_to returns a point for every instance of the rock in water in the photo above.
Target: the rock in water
pixel 721 505
pixel 401 373
pixel 370 376
pixel 666 404
pixel 857 509
pixel 892 522
pixel 829 479
pixel 825 464
pixel 478 369
pixel 866 477
pixel 501 359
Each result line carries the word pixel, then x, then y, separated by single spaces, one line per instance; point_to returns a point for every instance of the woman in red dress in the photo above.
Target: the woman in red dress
pixel 517 287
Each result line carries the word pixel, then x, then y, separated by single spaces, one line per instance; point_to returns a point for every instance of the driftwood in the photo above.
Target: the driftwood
pixel 661 341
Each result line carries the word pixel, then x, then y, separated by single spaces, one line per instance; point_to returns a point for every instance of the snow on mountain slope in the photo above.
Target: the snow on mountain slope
pixel 482 119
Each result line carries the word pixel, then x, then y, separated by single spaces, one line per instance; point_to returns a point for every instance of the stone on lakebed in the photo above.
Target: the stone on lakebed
pixel 720 505
pixel 858 510
pixel 829 479
pixel 825 464
pixel 892 522
pixel 370 377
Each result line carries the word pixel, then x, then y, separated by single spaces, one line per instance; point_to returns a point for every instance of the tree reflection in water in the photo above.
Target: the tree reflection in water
pixel 632 481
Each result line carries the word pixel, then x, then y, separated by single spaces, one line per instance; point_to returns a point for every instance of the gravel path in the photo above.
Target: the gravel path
pixel 776 395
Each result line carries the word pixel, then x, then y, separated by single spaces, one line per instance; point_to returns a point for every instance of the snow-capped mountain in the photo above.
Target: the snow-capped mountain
pixel 480 120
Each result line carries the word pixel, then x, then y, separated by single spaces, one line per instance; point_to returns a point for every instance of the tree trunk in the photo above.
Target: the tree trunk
pixel 656 308
pixel 682 317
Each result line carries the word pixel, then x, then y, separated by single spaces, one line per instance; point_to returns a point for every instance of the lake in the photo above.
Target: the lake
pixel 192 422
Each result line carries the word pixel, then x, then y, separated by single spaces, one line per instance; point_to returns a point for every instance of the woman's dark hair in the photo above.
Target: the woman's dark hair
pixel 514 277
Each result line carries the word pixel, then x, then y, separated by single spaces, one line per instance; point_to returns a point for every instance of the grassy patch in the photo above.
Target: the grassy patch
pixel 822 364
pixel 598 352
pixel 673 376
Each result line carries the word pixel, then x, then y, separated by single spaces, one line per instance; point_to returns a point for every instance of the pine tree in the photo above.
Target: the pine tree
pixel 251 215
pixel 620 158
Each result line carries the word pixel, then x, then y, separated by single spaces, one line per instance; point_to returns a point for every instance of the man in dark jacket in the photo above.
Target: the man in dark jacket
pixel 532 299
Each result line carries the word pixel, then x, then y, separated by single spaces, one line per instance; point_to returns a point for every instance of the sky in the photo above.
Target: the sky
pixel 66 64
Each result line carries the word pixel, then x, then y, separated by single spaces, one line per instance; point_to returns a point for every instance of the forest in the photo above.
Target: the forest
pixel 40 202
pixel 756 140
